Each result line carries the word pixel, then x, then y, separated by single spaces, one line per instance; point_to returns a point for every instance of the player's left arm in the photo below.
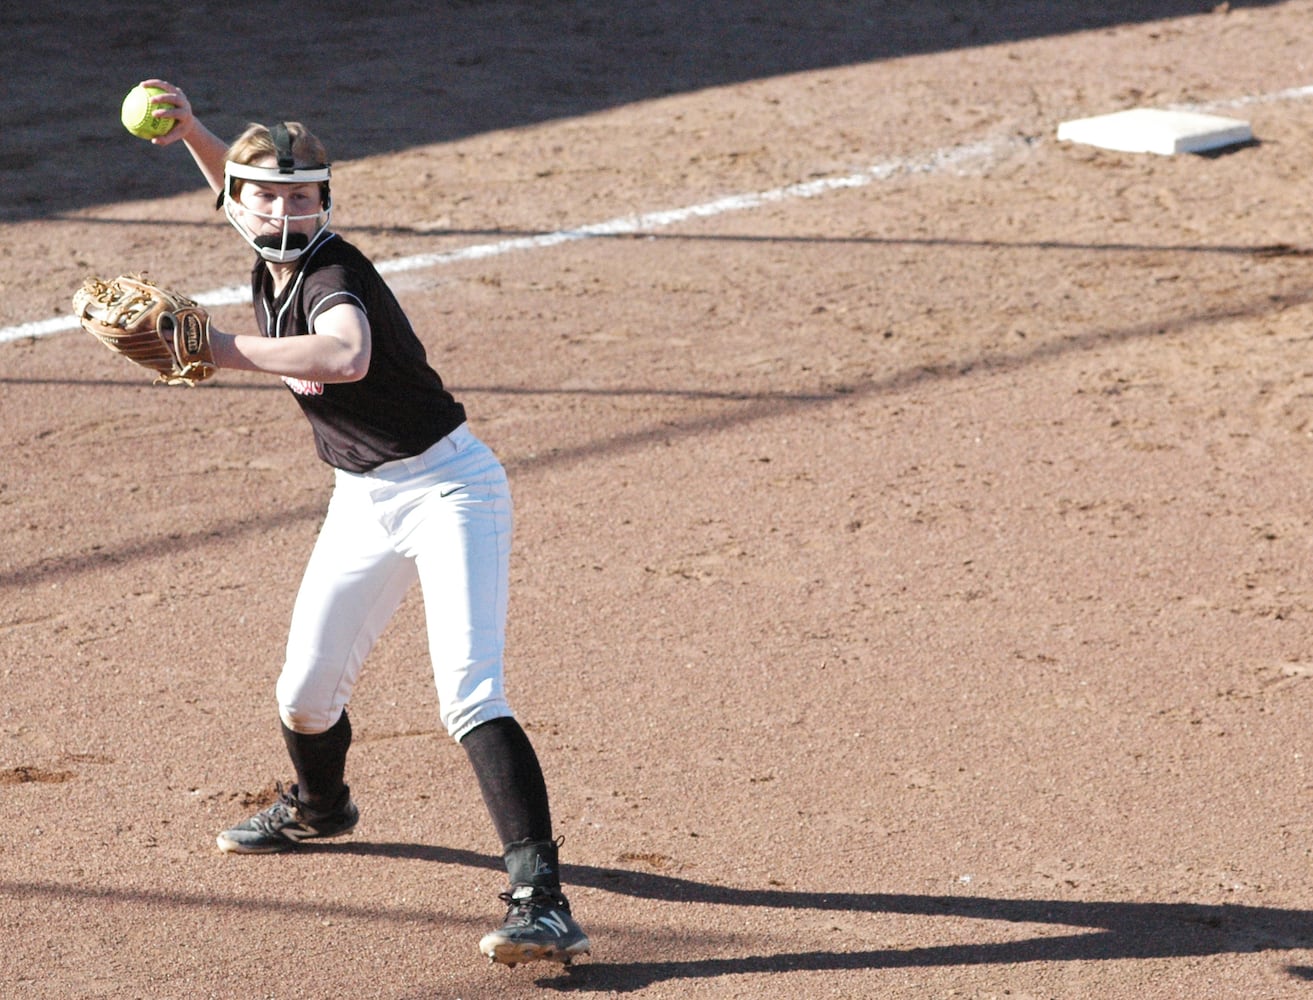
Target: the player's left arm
pixel 339 350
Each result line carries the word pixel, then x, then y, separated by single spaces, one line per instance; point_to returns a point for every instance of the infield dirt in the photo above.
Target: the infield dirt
pixel 913 588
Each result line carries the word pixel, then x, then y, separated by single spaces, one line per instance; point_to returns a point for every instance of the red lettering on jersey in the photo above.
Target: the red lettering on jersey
pixel 303 388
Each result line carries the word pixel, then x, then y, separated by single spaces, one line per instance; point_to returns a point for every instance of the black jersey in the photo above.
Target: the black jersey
pixel 400 408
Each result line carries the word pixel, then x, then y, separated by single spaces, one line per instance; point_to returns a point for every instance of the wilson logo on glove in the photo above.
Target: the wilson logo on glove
pixel 150 325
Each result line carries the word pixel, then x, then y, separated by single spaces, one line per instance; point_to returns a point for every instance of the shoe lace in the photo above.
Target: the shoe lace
pixel 525 909
pixel 278 815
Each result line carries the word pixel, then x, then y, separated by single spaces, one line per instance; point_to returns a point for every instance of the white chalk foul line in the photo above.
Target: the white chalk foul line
pixel 624 225
pixel 1291 94
pixel 944 159
pixel 650 221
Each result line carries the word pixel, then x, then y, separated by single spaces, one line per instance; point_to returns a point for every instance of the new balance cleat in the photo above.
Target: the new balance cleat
pixel 286 823
pixel 538 927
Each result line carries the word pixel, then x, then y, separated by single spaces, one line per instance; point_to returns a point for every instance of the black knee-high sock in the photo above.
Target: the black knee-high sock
pixel 511 780
pixel 320 763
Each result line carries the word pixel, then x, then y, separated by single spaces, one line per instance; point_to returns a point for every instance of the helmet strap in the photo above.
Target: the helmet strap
pixel 282 140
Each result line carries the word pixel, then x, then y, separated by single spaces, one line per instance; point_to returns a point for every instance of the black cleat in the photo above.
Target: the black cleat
pixel 288 822
pixel 538 927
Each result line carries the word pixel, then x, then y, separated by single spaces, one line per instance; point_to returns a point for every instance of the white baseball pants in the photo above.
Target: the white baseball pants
pixel 443 518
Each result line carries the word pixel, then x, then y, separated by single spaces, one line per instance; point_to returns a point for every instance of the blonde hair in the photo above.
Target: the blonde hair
pixel 257 141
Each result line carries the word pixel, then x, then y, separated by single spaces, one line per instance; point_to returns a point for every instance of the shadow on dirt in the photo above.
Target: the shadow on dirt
pixel 1107 930
pixel 740 408
pixel 374 78
pixel 1090 931
pixel 1058 930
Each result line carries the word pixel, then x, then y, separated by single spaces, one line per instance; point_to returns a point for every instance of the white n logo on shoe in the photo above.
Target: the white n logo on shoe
pixel 553 921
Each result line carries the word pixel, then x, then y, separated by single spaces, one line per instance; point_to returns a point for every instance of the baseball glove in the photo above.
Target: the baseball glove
pixel 149 325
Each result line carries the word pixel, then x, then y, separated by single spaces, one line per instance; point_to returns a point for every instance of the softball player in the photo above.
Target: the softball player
pixel 416 497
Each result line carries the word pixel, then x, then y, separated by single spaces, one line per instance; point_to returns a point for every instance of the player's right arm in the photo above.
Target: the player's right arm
pixel 206 148
pixel 339 350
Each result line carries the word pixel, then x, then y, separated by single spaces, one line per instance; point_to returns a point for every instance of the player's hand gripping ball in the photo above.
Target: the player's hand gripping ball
pixel 138 114
pixel 149 325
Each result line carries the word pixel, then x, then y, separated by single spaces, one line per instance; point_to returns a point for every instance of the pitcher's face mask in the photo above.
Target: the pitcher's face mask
pixel 280 209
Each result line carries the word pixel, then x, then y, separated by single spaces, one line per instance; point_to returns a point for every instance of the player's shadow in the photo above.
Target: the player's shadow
pixel 1095 931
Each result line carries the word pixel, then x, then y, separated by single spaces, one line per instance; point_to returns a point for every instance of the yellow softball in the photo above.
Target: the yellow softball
pixel 137 113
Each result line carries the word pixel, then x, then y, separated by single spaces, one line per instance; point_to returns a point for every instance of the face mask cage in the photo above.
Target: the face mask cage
pixel 283 246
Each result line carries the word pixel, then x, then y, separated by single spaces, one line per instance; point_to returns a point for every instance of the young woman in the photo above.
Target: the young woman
pixel 416 497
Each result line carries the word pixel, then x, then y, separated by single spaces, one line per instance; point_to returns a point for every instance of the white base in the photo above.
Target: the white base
pixel 1149 130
